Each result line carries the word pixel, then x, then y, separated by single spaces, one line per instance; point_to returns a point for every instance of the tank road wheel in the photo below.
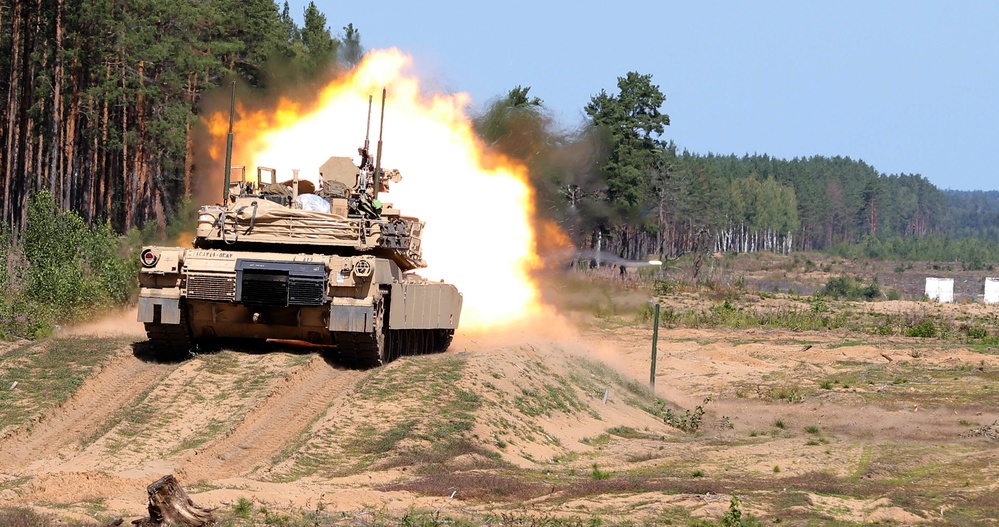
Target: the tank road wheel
pixel 386 349
pixel 412 342
pixel 170 342
pixel 399 343
pixel 415 342
pixel 393 345
pixel 428 340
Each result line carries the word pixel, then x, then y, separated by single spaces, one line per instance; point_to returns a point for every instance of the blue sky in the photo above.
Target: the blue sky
pixel 909 87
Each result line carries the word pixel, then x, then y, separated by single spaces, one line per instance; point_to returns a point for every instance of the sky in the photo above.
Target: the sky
pixel 909 87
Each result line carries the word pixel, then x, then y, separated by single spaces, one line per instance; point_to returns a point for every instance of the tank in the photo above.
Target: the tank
pixel 326 264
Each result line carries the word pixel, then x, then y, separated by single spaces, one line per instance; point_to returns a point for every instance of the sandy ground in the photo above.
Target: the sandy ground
pixel 257 425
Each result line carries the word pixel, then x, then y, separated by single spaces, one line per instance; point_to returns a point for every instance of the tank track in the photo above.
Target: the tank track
pixel 358 349
pixel 362 349
pixel 442 339
pixel 170 341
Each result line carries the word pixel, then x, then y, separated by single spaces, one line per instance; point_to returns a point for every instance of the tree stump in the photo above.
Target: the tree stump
pixel 169 505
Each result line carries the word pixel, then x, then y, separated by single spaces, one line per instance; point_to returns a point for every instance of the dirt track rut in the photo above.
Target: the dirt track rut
pixel 116 384
pixel 288 410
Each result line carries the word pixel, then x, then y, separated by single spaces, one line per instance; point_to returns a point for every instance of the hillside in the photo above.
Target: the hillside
pixel 534 427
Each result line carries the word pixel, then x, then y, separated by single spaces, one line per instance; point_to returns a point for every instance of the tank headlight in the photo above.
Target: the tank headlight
pixel 362 268
pixel 148 257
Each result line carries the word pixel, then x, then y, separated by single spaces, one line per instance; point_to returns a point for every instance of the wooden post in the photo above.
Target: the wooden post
pixel 655 343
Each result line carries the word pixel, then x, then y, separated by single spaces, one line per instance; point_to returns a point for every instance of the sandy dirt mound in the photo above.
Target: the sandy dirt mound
pixel 561 424
pixel 286 412
pixel 58 434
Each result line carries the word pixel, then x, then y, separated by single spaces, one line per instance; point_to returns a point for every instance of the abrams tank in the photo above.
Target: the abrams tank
pixel 328 264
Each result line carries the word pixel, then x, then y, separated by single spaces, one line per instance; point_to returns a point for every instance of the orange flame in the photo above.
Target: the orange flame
pixel 477 207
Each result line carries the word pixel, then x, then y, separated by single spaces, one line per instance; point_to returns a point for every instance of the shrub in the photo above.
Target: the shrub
pixel 838 287
pixel 924 329
pixel 688 421
pixel 872 291
pixel 852 289
pixel 665 286
pixel 60 270
pixel 242 508
pixel 975 332
pixel 598 474
pixel 818 303
pixel 20 517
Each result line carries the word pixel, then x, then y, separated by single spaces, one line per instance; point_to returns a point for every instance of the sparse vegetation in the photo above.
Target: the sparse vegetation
pixel 689 421
pixel 741 302
pixel 46 374
pixel 923 329
pixel 601 439
pixel 852 289
pixel 242 508
pixel 784 391
pixel 736 518
pixel 23 517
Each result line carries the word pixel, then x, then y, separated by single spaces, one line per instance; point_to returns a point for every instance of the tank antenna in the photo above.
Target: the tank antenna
pixel 364 150
pixel 378 155
pixel 228 145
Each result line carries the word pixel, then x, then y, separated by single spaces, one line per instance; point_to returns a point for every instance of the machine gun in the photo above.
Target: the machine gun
pixel 367 205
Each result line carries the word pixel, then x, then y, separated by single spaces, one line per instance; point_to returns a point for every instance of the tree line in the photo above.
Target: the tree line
pixel 617 186
pixel 98 99
pixel 99 106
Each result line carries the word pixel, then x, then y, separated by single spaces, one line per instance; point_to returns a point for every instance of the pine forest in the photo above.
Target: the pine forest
pixel 101 102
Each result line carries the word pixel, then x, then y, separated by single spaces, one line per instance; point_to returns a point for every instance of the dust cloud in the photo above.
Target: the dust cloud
pixel 116 323
pixel 546 325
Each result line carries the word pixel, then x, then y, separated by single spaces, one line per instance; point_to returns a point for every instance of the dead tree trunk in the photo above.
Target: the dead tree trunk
pixel 169 505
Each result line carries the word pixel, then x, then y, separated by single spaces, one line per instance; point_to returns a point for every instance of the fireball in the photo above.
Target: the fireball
pixel 477 206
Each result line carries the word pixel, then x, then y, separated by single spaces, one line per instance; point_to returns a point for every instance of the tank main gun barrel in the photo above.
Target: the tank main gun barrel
pixel 228 145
